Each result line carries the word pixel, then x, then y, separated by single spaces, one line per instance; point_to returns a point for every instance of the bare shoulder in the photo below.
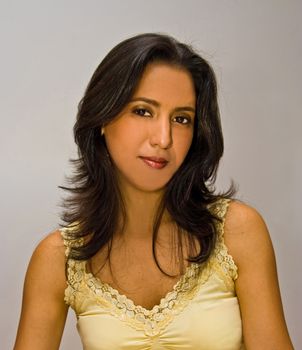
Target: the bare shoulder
pixel 44 311
pixel 257 288
pixel 51 248
pixel 48 259
pixel 240 217
pixel 52 244
pixel 246 233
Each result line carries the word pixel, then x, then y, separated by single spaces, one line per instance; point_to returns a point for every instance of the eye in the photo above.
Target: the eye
pixel 143 112
pixel 182 119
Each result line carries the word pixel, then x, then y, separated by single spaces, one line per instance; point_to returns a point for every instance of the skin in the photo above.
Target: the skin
pixel 158 121
pixel 157 129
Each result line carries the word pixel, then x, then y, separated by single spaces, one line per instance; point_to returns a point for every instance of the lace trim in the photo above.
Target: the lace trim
pixel 75 283
pixel 154 320
pixel 222 256
pixel 69 243
pixel 75 272
pixel 83 285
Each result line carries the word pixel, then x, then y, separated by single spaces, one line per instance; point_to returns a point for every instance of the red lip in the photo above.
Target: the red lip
pixel 156 159
pixel 155 162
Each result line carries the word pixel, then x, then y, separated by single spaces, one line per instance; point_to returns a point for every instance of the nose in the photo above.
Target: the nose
pixel 161 133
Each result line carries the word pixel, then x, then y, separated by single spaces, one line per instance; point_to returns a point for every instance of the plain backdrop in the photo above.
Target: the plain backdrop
pixel 50 48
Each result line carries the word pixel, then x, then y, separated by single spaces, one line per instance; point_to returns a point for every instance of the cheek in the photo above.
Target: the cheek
pixel 123 141
pixel 117 148
pixel 182 147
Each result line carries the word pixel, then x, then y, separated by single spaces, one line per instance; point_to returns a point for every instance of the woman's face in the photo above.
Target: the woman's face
pixel 150 138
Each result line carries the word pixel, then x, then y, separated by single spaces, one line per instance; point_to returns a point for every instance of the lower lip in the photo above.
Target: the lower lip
pixel 153 164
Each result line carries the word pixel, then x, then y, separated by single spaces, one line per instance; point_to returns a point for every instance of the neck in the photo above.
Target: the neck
pixel 141 208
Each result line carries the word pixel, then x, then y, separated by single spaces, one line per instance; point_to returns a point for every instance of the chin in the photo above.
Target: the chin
pixel 144 183
pixel 147 187
pixel 151 188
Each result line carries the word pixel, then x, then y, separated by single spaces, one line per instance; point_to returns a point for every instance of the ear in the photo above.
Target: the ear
pixel 102 131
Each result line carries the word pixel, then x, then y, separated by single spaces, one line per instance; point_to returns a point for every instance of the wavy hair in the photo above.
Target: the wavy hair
pixel 95 203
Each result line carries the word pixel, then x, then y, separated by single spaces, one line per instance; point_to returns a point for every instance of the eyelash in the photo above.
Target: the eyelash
pixel 144 110
pixel 137 110
pixel 188 120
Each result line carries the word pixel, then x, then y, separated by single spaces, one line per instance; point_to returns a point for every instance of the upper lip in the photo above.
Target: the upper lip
pixel 155 159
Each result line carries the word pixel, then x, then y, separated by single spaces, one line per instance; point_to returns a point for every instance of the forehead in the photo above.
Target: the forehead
pixel 164 82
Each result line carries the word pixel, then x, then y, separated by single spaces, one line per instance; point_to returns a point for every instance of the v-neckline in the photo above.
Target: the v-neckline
pixel 189 272
pixel 86 289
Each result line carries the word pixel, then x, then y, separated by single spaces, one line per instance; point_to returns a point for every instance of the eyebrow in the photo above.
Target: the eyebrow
pixel 157 104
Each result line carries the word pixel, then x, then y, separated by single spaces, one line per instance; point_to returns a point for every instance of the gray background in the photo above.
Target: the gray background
pixel 49 50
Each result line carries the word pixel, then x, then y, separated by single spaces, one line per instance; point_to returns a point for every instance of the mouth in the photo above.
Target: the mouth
pixel 154 162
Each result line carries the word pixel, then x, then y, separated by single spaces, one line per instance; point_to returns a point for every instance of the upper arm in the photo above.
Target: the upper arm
pixel 44 311
pixel 257 287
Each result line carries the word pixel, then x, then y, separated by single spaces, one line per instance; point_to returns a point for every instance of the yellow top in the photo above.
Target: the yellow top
pixel 201 312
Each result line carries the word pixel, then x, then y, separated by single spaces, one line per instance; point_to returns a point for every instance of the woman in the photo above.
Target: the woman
pixel 154 258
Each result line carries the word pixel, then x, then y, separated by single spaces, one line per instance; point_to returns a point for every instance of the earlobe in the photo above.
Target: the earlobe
pixel 102 131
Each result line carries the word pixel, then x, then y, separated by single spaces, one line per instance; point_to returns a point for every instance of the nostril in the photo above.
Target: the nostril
pixel 161 135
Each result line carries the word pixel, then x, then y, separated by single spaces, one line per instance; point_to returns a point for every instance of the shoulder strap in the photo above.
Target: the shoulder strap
pixel 220 207
pixel 68 240
pixel 220 210
pixel 65 241
pixel 75 269
pixel 222 257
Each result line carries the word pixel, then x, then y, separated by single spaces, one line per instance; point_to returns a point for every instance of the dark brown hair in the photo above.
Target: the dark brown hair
pixel 95 202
